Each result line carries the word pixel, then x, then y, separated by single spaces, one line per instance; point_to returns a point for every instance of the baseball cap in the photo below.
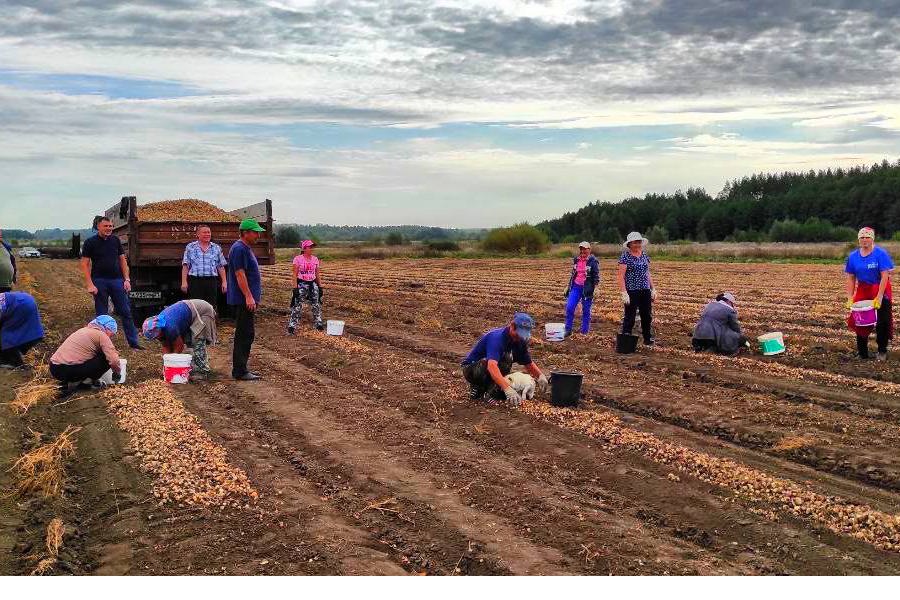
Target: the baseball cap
pixel 524 324
pixel 728 296
pixel 307 244
pixel 585 245
pixel 250 225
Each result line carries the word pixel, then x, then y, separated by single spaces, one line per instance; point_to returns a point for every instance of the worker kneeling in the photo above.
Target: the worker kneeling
pixel 86 355
pixel 491 360
pixel 718 329
pixel 189 323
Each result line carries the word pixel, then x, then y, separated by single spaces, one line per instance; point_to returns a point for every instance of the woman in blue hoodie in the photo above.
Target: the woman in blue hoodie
pixel 583 281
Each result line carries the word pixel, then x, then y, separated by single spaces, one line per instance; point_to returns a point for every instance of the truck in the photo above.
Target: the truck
pixel 73 251
pixel 155 249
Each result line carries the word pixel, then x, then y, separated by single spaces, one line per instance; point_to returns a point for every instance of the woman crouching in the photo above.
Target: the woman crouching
pixel 718 329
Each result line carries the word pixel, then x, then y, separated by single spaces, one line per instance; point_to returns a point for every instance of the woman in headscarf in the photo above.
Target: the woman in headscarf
pixel 190 323
pixel 87 354
pixel 636 286
pixel 582 283
pixel 307 273
pixel 868 272
pixel 20 328
pixel 718 329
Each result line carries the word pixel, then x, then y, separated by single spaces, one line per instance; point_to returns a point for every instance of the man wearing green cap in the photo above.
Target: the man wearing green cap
pixel 244 293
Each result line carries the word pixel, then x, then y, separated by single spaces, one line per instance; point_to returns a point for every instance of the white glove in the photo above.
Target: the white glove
pixel 653 294
pixel 543 383
pixel 626 299
pixel 512 396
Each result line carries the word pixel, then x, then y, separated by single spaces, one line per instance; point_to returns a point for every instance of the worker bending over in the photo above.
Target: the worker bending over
pixel 491 360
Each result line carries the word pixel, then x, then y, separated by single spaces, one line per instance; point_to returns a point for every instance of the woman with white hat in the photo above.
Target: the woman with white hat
pixel 868 272
pixel 582 283
pixel 718 329
pixel 636 285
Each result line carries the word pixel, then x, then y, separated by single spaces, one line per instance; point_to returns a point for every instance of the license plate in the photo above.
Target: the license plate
pixel 145 295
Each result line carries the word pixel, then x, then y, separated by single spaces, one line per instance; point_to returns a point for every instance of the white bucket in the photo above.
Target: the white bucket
pixel 334 328
pixel 555 332
pixel 177 367
pixel 123 369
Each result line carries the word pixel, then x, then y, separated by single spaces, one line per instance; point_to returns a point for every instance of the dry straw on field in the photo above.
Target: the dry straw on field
pixel 53 541
pixel 190 210
pixel 43 469
pixel 189 468
pixel 29 394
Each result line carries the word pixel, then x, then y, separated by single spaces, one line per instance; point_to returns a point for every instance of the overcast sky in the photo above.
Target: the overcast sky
pixel 448 112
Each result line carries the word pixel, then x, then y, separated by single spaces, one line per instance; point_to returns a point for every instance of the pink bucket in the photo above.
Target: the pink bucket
pixel 864 313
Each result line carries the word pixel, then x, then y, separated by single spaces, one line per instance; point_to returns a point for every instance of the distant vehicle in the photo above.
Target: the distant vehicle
pixel 29 252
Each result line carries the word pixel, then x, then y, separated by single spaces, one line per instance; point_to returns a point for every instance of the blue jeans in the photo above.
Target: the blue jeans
pixel 586 303
pixel 115 289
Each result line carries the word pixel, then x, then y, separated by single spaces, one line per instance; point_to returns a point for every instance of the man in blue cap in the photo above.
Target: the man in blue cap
pixel 491 360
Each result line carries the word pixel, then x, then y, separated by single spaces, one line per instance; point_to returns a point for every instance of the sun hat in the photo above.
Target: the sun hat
pixel 307 244
pixel 866 232
pixel 635 236
pixel 524 324
pixel 250 225
pixel 105 322
pixel 585 245
pixel 729 296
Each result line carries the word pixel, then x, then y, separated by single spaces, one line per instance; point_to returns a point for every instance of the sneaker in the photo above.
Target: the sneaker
pixel 650 342
pixel 291 330
pixel 137 348
pixel 568 333
pixel 320 327
pixel 475 393
pixel 64 391
pixel 882 356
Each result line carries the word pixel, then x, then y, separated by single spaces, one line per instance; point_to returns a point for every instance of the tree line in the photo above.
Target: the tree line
pixel 392 235
pixel 826 205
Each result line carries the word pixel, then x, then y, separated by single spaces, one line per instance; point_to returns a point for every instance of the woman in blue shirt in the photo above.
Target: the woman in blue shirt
pixel 187 323
pixel 636 286
pixel 20 328
pixel 868 272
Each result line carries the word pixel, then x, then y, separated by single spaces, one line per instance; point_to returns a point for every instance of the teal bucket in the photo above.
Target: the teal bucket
pixel 771 343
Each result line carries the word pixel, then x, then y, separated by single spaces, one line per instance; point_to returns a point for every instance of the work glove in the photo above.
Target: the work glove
pixel 566 294
pixel 117 377
pixel 512 396
pixel 653 294
pixel 321 292
pixel 876 303
pixel 543 383
pixel 295 297
pixel 626 299
pixel 849 303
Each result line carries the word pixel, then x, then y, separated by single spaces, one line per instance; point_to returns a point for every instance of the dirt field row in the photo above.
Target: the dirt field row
pixel 369 459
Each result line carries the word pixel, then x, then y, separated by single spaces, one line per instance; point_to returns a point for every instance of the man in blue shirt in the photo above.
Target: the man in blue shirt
pixel 106 276
pixel 244 293
pixel 491 360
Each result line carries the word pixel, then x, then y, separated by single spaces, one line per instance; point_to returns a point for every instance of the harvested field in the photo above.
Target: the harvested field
pixel 368 458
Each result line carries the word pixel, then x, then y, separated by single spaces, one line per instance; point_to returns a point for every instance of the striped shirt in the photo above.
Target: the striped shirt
pixel 203 264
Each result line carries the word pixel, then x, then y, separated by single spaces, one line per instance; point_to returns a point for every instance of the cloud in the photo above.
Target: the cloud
pixel 559 101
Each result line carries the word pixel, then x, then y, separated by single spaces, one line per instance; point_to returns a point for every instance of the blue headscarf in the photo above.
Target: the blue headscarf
pixel 152 326
pixel 106 323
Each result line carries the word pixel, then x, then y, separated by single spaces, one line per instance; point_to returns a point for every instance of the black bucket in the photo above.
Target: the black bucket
pixel 626 343
pixel 565 388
